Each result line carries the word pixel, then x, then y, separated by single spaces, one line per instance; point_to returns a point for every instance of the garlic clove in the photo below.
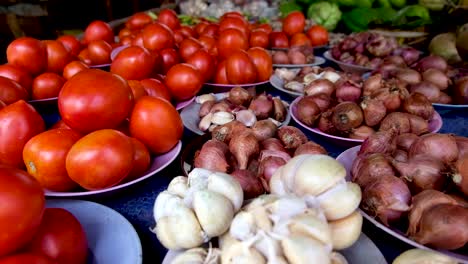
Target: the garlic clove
pixel 193 255
pixel 162 206
pixel 310 77
pixel 270 248
pixel 418 256
pixel 226 240
pixel 238 253
pixel 300 249
pixel 243 226
pixel 214 212
pixel 221 118
pixel 341 200
pixel 212 127
pixel 295 86
pixel 262 219
pixel 337 258
pixel 331 76
pixel 276 122
pixel 287 207
pixel 285 74
pixel 205 97
pixel 178 186
pixel 205 122
pixel 228 186
pixel 246 117
pixel 311 226
pixel 288 175
pixel 346 231
pixel 260 201
pixel 276 183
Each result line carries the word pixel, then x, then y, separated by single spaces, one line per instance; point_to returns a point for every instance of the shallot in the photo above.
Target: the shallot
pixel 369 168
pixel 390 97
pixel 405 140
pixel 374 111
pixel 224 133
pixel 221 106
pixel 325 123
pixel 462 144
pixel 347 91
pixel 444 98
pixel 280 57
pixel 361 132
pixel 205 108
pixel 296 57
pixel 346 116
pixel 250 184
pixel 307 110
pixel 380 142
pixel 323 101
pixel 461 91
pixel 409 76
pixel 279 110
pixel 410 55
pixel 262 106
pixel 398 121
pixel 432 62
pixel 418 125
pixel 212 156
pixel 372 84
pixel 244 146
pixel 272 144
pixel 239 96
pixel 320 86
pixel 439 146
pixel 310 147
pixel 430 90
pixel 460 178
pixel 418 104
pixel 400 155
pixel 291 137
pixel 264 129
pixel 268 166
pixel 437 77
pixel 395 59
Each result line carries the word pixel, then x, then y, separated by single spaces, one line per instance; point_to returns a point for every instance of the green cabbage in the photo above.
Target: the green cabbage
pixel 325 13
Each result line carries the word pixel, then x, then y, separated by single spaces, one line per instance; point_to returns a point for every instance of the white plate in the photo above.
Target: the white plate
pixel 317 61
pixel 363 251
pixel 111 238
pixel 278 84
pixel 191 119
pixel 448 106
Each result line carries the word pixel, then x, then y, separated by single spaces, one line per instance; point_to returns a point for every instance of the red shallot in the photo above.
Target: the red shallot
pixel 405 140
pixel 274 153
pixel 398 121
pixel 400 155
pixel 262 106
pixel 244 146
pixel 205 108
pixel 460 178
pixel 272 144
pixel 361 132
pixel 307 111
pixel 280 57
pixel 418 125
pixel 224 133
pixel 396 59
pixel 325 123
pixel 430 90
pixel 374 111
pixel 370 168
pixel 439 146
pixel 221 106
pixel 279 110
pixel 251 185
pixel 409 76
pixel 432 62
pixel 418 104
pixel 264 129
pixel 346 116
pixel 239 96
pixel 291 137
pixel 372 84
pixel 462 144
pixel 323 101
pixel 444 98
pixel 320 86
pixel 461 91
pixel 437 77
pixel 268 166
pixel 347 91
pixel 310 147
pixel 380 142
pixel 212 156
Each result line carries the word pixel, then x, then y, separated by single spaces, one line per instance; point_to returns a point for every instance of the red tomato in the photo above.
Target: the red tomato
pixel 299 39
pixel 57 56
pixel 138 40
pixel 11 91
pixel 100 159
pixel 60 237
pixel 123 127
pixel 2 105
pixel 318 35
pixel 240 68
pixel 204 62
pixel 169 18
pixel 71 43
pixel 231 40
pixel 138 21
pixel 133 63
pixel 187 31
pixel 98 30
pixel 22 209
pixel 138 90
pixel 19 122
pixel 44 156
pixel 84 56
pixel 278 40
pixel 17 74
pixel 157 37
pixel 125 32
pixel 61 125
pixel 188 47
pixel 170 58
pixel 141 160
pixel 258 38
pixel 265 27
pixel 207 42
pixel 294 23
pixel 158 62
pixel 220 74
pixel 178 36
pixel 156 88
pixel 232 14
pixel 234 23
pixel 156 123
pixel 184 81
pixel 126 41
pixel 200 27
pixel 99 52
pixel 29 54
pixel 211 30
pixel 263 63
pixel 73 68
pixel 47 85
pixel 94 99
pixel 27 258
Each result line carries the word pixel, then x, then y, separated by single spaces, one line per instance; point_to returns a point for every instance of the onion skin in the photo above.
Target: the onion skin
pixel 250 184
pixel 307 111
pixel 400 155
pixel 224 133
pixel 430 90
pixel 370 168
pixel 264 129
pixel 380 142
pixel 243 147
pixel 205 108
pixel 291 137
pixel 418 125
pixel 325 123
pixel 372 84
pixel 388 199
pixel 439 146
pixel 418 104
pixel 409 76
pixel 347 91
pixel 437 77
pixel 405 140
pixel 272 144
pixel 239 96
pixel 346 116
pixel 268 166
pixel 374 111
pixel 262 106
pixel 461 177
pixel 310 147
pixel 361 132
pixel 444 226
pixel 398 121
pixel 323 101
pixel 320 86
pixel 213 156
pixel 432 62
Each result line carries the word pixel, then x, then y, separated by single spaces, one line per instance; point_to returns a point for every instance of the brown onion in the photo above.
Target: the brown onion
pixel 460 178
pixel 250 184
pixel 439 146
pixel 320 86
pixel 347 91
pixel 291 137
pixel 422 201
pixel 280 57
pixel 423 172
pixel 374 111
pixel 400 155
pixel 387 198
pixel 444 98
pixel 323 101
pixel 380 142
pixel 239 96
pixel 405 140
pixel 409 76
pixel 205 108
pixel 437 77
pixel 432 62
pixel 370 168
pixel 325 123
pixel 212 156
pixel 398 121
pixel 372 84
pixel 272 144
pixel 310 147
pixel 418 125
pixel 279 110
pixel 224 133
pixel 443 226
pixel 264 129
pixel 361 132
pixel 346 116
pixel 268 166
pixel 418 104
pixel 262 106
pixel 307 111
pixel 430 90
pixel 244 146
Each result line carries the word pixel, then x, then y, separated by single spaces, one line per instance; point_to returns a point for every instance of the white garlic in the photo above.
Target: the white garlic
pixel 346 231
pixel 221 118
pixel 295 86
pixel 213 210
pixel 285 74
pixel 199 256
pixel 205 122
pixel 300 249
pixel 204 98
pixel 337 258
pixel 331 76
pixel 341 200
pixel 310 77
pixel 246 117
pixel 421 256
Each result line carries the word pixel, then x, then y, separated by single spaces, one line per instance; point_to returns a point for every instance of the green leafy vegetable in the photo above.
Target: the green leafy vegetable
pixel 324 13
pixel 412 16
pixel 287 7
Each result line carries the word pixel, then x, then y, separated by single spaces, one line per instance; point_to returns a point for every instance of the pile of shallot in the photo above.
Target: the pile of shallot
pixel 252 155
pixel 242 105
pixel 371 50
pixel 294 55
pixel 422 179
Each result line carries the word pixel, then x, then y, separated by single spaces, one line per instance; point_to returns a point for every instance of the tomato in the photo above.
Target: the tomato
pixel 62 125
pixel 125 32
pixel 265 27
pixel 220 74
pixel 234 23
pixel 157 37
pixel 57 56
pixel 178 36
pixel 156 123
pixel 204 62
pixel 169 18
pixel 71 43
pixel 207 42
pixel 2 105
pixel 240 68
pixel 200 27
pixel 211 30
pixel 187 31
pixel 232 14
pixel 99 52
pixel 294 23
pixel 126 41
pixel 170 57
pixel 44 156
pixel 258 38
pixel 141 160
pixel 23 203
pixel 94 99
pixel 133 63
pixel 123 127
pixel 84 57
pixel 138 40
pixel 47 85
pixel 156 88
pixel 188 47
pixel 278 40
pixel 17 74
pixel 263 63
pixel 73 68
pixel 60 237
pixel 137 89
pixel 98 30
pixel 28 54
pixel 18 123
pixel 318 35
pixel 231 40
pixel 299 39
pixel 138 21
pixel 158 62
pixel 27 258
pixel 11 91
pixel 183 81
pixel 101 159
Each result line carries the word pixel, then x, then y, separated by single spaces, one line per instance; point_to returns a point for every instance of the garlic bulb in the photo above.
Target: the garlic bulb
pixel 199 256
pixel 285 74
pixel 278 229
pixel 346 231
pixel 192 210
pixel 421 256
